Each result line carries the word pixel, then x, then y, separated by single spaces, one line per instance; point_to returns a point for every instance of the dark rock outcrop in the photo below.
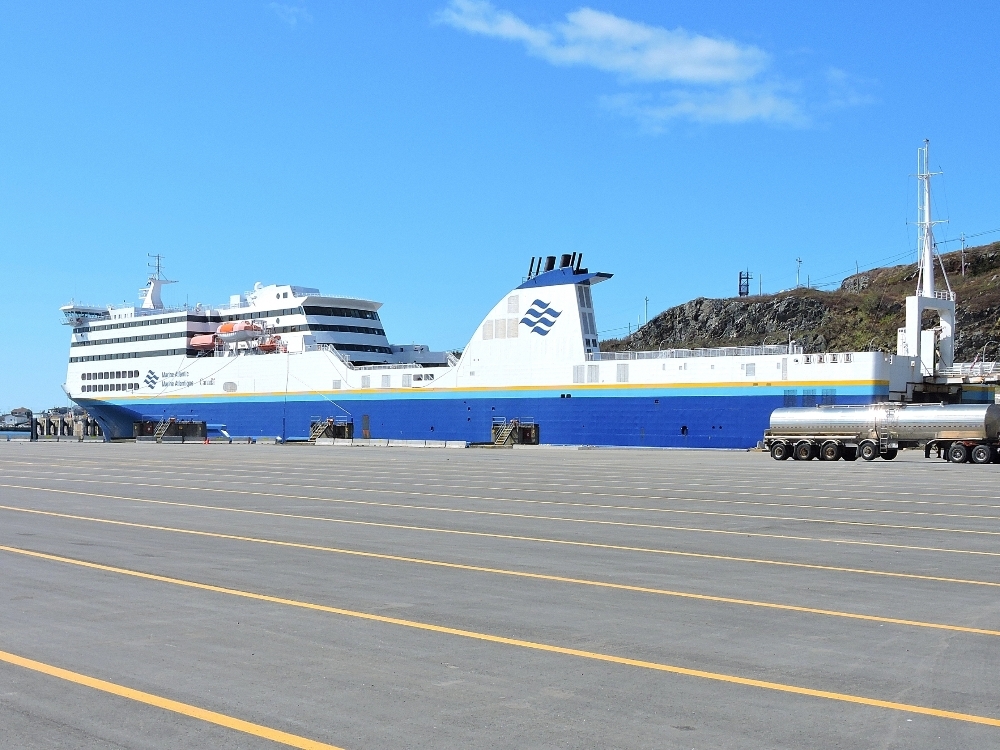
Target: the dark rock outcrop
pixel 863 314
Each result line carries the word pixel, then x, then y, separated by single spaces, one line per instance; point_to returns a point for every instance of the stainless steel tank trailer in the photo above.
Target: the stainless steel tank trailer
pixel 957 432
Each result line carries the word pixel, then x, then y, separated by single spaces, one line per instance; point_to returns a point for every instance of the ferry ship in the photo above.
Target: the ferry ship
pixel 282 359
pixel 290 363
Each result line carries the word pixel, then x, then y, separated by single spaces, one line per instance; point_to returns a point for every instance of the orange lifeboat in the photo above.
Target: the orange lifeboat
pixel 270 344
pixel 239 330
pixel 204 341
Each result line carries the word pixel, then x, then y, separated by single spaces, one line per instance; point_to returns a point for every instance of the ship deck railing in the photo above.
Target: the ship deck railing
pixel 970 370
pixel 346 359
pixel 723 351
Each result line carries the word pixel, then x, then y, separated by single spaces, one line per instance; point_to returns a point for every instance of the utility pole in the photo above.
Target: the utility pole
pixel 798 267
pixel 647 309
pixel 963 253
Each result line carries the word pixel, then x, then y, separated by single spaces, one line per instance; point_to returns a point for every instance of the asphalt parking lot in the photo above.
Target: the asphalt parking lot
pixel 254 596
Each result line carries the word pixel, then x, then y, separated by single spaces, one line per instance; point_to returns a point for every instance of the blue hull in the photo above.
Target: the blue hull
pixel 660 419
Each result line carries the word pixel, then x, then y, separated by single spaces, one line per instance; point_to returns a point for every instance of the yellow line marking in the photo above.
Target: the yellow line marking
pixel 534 645
pixel 257 730
pixel 531 516
pixel 545 577
pixel 299 545
pixel 360 394
pixel 270 470
pixel 410 492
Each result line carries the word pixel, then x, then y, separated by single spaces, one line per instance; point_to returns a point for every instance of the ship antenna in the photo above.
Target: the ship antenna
pixel 150 296
pixel 156 265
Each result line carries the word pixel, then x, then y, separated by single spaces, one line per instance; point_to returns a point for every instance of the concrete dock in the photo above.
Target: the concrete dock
pixel 258 596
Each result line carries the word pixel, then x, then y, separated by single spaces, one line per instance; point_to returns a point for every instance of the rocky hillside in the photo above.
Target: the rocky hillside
pixel 863 314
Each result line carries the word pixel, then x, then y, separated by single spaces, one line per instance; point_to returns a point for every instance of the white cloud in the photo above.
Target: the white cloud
pixel 711 79
pixel 291 14
pixel 733 104
pixel 843 90
pixel 616 45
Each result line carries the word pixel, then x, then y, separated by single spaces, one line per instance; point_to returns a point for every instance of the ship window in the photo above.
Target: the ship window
pixel 386 381
pixel 512 304
pixel 751 369
pixel 593 373
pixel 284 295
pixel 578 373
pixel 229 386
pixel 848 357
pixel 488 330
pixel 336 385
pixel 407 381
pixel 429 376
pixel 500 328
pixel 622 373
pixel 512 328
pixel 828 396
pixel 809 397
pixel 366 381
pixel 790 397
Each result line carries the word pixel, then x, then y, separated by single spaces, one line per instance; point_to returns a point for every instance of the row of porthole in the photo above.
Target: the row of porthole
pixel 102 387
pixel 115 375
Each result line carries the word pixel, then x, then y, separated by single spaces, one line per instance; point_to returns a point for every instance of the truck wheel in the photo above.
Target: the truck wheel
pixel 780 451
pixel 958 453
pixel 981 454
pixel 804 451
pixel 831 450
pixel 868 450
pixel 850 454
pixel 890 454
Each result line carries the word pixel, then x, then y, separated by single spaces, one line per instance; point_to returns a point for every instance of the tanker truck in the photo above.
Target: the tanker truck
pixel 957 432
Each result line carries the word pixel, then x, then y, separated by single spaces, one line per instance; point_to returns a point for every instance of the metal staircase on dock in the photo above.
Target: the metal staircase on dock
pixel 318 428
pixel 161 429
pixel 503 435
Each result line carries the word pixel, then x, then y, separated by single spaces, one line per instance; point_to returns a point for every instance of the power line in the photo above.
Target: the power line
pixel 969 236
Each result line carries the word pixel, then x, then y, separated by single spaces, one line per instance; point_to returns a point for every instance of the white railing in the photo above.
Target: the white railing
pixel 725 351
pixel 970 370
pixel 940 294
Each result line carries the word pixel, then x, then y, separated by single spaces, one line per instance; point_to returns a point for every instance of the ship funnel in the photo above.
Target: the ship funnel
pixel 550 263
pixel 566 260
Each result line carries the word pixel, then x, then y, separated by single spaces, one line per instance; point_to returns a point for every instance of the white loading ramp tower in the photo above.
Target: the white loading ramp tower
pixel 933 347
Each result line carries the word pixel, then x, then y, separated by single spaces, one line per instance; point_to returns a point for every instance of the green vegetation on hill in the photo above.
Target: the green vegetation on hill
pixel 863 314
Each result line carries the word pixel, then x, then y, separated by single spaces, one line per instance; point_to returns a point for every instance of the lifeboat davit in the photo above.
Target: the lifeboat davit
pixel 204 341
pixel 239 330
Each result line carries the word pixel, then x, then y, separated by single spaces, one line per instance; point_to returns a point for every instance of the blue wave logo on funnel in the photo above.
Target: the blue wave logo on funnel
pixel 540 317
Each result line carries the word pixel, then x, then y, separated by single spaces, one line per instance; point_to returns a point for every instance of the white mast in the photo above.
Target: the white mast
pixel 151 294
pixel 934 348
pixel 925 225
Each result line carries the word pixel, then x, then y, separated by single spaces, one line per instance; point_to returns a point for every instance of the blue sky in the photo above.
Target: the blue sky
pixel 420 153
